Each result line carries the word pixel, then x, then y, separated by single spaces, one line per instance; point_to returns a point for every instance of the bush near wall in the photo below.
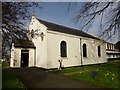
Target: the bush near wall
pixel 6 63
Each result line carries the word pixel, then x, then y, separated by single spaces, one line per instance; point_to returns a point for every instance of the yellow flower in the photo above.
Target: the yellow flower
pixel 97 70
pixel 113 74
pixel 112 78
pixel 107 73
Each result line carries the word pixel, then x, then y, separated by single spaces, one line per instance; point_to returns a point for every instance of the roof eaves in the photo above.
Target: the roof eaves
pixel 78 32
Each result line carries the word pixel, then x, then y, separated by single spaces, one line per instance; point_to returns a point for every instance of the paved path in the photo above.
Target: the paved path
pixel 38 78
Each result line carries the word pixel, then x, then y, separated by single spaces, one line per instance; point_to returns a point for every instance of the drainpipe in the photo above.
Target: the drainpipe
pixel 81 50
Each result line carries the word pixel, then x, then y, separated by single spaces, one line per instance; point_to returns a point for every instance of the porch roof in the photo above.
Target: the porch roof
pixel 23 43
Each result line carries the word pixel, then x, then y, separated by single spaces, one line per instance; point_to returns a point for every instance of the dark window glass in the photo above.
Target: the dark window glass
pixel 84 50
pixel 99 51
pixel 63 48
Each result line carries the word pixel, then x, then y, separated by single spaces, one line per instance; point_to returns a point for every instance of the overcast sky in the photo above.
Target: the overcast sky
pixel 56 12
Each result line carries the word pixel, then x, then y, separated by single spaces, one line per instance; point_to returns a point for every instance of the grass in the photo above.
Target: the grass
pixel 105 75
pixel 5 63
pixel 11 81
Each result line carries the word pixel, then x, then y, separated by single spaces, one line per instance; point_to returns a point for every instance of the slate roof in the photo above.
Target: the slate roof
pixel 63 29
pixel 23 43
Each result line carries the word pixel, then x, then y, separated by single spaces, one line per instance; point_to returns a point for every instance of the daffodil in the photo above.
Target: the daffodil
pixel 97 70
pixel 107 73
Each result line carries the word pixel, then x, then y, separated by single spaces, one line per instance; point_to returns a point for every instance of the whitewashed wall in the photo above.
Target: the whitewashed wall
pixel 53 50
pixel 92 51
pixel 16 57
pixel 31 62
pixel 12 55
pixel 73 50
pixel 41 46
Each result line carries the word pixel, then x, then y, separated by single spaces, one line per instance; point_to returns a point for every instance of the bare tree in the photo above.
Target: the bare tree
pixel 108 14
pixel 14 15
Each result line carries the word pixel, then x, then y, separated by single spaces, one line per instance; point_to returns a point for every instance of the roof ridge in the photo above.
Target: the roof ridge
pixel 62 26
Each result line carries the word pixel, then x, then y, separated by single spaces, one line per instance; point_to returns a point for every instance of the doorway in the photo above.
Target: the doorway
pixel 24 58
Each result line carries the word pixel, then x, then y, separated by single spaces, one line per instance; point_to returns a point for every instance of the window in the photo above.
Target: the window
pixel 63 49
pixel 84 50
pixel 99 51
pixel 32 33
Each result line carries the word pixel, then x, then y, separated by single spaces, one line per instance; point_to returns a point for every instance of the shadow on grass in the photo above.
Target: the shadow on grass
pixel 9 80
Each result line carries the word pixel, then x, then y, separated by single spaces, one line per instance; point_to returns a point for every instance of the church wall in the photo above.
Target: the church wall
pixel 74 50
pixel 16 57
pixel 53 50
pixel 41 45
pixel 31 57
pixel 92 52
pixel 12 55
pixel 41 52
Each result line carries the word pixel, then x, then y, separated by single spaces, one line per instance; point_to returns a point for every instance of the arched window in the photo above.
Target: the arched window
pixel 32 33
pixel 84 50
pixel 63 49
pixel 99 51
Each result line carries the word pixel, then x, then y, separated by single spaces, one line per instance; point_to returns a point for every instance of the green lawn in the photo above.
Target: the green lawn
pixel 11 81
pixel 5 63
pixel 105 75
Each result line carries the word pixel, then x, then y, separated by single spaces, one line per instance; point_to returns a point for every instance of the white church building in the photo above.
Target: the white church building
pixel 49 42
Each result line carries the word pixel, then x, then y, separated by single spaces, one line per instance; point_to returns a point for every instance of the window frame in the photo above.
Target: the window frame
pixel 99 51
pixel 84 46
pixel 63 49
